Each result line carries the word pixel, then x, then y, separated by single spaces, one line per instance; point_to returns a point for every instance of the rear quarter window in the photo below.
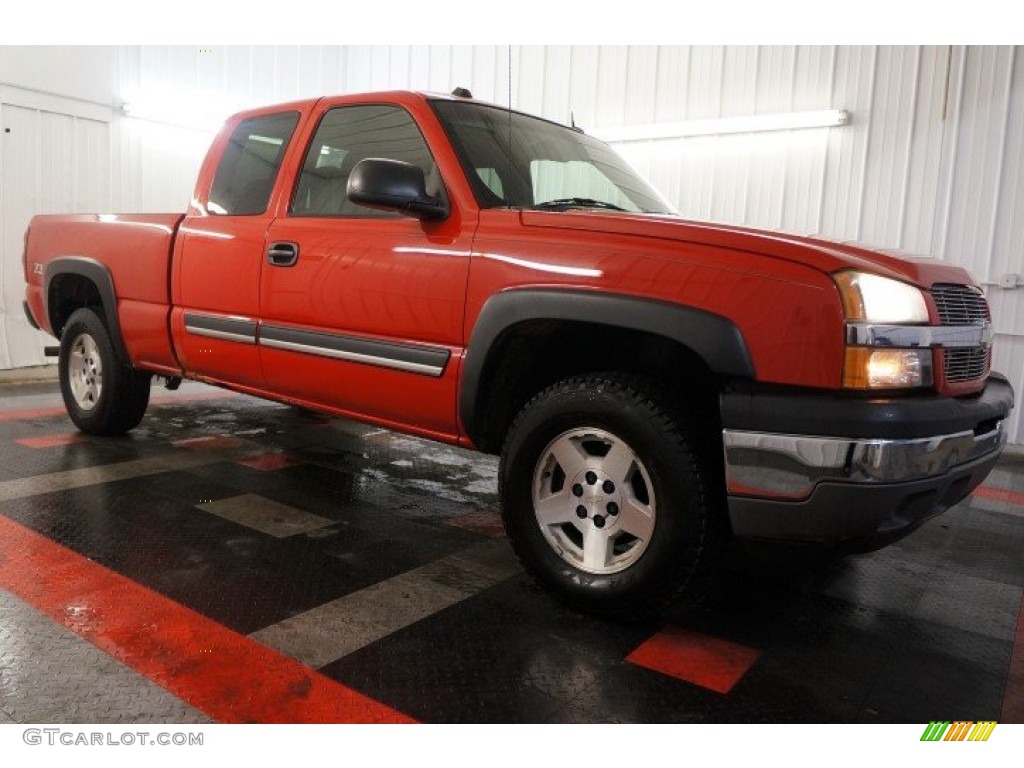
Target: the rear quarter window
pixel 248 168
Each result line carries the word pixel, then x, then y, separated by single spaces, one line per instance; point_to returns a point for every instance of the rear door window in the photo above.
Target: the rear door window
pixel 248 169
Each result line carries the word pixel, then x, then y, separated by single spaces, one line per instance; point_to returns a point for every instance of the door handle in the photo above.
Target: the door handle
pixel 282 254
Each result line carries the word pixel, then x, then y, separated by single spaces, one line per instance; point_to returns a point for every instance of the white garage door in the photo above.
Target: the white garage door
pixel 50 162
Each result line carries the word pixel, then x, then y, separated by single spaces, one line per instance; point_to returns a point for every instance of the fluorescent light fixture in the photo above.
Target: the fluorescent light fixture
pixel 786 121
pixel 198 110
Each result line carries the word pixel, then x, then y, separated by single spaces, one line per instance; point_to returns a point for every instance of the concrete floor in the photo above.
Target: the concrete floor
pixel 235 560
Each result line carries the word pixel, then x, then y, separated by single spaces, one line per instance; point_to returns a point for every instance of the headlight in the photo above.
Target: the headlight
pixel 876 302
pixel 873 299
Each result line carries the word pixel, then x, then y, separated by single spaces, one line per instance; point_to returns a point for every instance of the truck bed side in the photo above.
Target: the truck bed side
pixel 121 262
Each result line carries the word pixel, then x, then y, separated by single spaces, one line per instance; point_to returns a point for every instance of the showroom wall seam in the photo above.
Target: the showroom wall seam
pixel 951 127
pixel 1001 165
pixel 905 188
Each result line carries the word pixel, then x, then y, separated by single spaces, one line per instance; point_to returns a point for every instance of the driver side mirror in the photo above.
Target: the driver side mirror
pixel 393 185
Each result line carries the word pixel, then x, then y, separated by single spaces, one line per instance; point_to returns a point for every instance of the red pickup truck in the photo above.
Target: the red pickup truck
pixel 482 277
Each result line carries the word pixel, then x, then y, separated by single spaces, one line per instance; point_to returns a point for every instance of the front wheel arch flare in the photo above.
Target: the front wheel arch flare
pixel 713 338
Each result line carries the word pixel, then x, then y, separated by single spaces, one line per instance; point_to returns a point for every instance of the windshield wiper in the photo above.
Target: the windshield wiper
pixel 578 202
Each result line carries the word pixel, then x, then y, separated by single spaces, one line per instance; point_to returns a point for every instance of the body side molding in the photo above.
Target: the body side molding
pixel 411 358
pixel 714 338
pixel 223 327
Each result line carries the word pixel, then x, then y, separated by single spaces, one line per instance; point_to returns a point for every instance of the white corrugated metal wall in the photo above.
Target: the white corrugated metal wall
pixel 54 157
pixel 932 162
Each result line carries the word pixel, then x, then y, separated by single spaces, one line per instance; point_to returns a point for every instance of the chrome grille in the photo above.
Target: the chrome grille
pixel 963 305
pixel 966 364
pixel 960 305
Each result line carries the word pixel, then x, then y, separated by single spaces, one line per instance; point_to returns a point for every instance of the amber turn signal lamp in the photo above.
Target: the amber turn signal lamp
pixel 886 368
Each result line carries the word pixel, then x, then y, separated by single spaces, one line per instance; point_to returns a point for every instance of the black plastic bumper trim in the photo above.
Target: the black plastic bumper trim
pixel 888 418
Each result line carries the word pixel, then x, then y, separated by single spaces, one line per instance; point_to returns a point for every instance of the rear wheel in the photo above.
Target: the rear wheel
pixel 103 396
pixel 609 496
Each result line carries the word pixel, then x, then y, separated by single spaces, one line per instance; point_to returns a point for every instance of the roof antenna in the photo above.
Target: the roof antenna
pixel 572 122
pixel 462 93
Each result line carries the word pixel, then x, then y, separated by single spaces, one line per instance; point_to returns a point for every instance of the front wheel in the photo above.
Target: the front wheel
pixel 605 497
pixel 102 395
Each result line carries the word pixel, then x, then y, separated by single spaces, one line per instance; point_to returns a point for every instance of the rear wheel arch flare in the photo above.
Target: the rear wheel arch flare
pixel 82 270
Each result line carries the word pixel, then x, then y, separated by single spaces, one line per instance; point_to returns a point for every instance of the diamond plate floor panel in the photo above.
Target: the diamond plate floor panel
pixel 350 548
pixel 49 675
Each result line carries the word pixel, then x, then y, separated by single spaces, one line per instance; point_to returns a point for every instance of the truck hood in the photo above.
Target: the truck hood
pixel 824 255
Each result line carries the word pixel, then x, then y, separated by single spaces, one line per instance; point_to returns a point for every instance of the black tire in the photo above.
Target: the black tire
pixel 120 401
pixel 677 456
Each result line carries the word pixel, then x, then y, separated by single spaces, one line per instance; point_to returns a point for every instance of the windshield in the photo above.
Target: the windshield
pixel 551 167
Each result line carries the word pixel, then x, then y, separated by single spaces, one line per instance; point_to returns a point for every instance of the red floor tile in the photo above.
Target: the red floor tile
pixel 699 659
pixel 1000 494
pixel 32 413
pixel 49 441
pixel 230 677
pixel 60 410
pixel 267 462
pixel 484 523
pixel 211 442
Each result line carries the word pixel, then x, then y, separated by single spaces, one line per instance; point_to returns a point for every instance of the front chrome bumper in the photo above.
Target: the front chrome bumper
pixel 789 467
pixel 854 473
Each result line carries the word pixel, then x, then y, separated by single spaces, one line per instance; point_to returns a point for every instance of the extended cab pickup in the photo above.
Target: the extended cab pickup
pixel 481 277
